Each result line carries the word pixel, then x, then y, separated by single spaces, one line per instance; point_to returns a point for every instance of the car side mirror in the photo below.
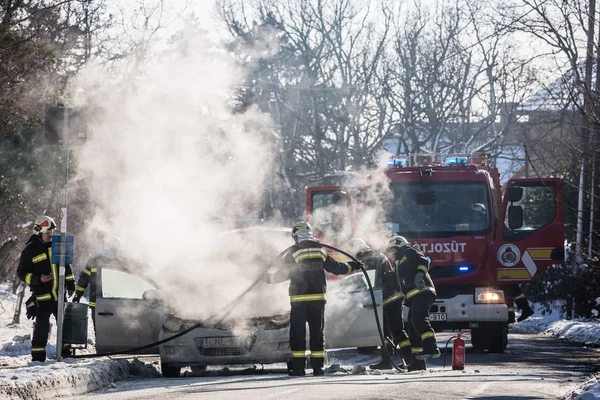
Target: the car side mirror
pixel 515 193
pixel 515 217
pixel 153 296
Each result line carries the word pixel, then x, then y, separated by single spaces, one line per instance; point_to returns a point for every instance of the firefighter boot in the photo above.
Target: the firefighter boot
pixel 430 349
pixel 526 313
pixel 417 365
pixel 297 367
pixel 386 361
pixel 406 353
pixel 526 310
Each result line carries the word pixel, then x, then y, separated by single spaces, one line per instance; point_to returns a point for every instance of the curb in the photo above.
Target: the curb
pixel 51 381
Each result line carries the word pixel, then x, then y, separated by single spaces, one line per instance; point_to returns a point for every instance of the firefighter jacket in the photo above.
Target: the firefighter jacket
pixel 409 261
pixel 385 275
pixel 88 276
pixel 36 260
pixel 305 265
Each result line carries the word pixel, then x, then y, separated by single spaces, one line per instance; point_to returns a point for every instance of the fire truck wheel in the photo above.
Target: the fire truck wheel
pixel 170 371
pixel 498 339
pixel 367 350
pixel 493 338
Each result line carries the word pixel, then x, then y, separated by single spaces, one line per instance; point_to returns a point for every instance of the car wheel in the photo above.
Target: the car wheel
pixel 367 350
pixel 198 369
pixel 170 371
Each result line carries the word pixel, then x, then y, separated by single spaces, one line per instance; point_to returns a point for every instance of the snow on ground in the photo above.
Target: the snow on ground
pixel 22 379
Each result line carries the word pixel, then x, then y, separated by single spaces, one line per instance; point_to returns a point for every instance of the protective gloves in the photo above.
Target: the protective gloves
pixel 420 280
pixel 355 265
pixel 77 298
pixel 31 307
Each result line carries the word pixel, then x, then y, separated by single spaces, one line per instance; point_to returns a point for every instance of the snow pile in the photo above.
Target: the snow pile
pixel 52 379
pixel 19 345
pixel 582 331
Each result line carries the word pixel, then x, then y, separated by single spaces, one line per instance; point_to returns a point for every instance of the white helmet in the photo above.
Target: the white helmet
pixel 357 246
pixel 397 242
pixel 478 207
pixel 301 230
pixel 43 224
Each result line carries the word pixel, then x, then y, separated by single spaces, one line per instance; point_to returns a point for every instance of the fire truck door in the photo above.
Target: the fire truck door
pixel 533 229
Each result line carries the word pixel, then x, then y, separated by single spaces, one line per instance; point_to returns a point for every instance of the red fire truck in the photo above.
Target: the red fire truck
pixel 481 238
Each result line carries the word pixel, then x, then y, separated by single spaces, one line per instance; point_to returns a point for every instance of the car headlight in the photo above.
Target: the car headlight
pixel 173 324
pixel 278 322
pixel 489 296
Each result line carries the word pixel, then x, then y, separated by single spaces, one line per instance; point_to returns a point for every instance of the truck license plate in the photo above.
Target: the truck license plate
pixel 437 316
pixel 229 341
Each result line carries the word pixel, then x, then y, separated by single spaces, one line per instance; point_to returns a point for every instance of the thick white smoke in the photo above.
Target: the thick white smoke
pixel 167 160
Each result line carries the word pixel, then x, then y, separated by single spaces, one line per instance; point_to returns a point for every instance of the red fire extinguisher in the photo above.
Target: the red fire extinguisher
pixel 458 352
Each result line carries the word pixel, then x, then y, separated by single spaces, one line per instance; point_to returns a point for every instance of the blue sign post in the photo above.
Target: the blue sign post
pixel 56 250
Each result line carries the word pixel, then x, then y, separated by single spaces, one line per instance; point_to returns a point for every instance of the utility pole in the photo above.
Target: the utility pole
pixel 587 91
pixel 63 242
pixel 592 148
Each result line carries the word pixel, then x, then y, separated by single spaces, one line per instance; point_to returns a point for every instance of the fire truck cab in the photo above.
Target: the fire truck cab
pixel 481 239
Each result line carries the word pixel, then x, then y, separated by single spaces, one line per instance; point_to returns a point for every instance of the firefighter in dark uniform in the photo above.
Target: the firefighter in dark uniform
pixel 393 325
pixel 36 270
pixel 110 257
pixel 305 265
pixel 412 270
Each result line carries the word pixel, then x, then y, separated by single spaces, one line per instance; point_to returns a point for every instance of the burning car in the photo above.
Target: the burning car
pixel 133 311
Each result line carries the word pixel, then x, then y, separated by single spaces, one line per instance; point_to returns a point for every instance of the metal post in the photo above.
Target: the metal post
pixel 63 243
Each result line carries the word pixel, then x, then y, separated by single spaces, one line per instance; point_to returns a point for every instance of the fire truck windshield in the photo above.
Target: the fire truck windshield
pixel 440 209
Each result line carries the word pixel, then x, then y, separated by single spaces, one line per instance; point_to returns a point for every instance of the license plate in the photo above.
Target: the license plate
pixel 437 316
pixel 229 341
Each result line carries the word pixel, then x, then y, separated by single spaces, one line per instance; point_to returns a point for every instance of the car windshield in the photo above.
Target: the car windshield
pixel 439 209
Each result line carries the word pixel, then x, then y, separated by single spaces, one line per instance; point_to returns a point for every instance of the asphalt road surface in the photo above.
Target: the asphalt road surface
pixel 533 367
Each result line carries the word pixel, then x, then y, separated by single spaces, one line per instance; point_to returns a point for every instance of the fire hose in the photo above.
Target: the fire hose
pixel 227 309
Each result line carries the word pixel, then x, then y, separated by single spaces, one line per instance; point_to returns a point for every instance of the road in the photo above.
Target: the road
pixel 533 367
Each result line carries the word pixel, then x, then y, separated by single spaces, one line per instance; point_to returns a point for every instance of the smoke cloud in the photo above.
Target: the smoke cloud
pixel 167 161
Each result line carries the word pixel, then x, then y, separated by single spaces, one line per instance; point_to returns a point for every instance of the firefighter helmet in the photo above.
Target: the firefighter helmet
pixel 397 242
pixel 43 224
pixel 480 208
pixel 357 246
pixel 301 229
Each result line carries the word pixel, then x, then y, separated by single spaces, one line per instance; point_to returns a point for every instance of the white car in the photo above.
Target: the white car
pixel 131 312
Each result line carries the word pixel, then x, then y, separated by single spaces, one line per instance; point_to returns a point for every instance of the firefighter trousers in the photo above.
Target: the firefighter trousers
pixel 312 312
pixel 41 329
pixel 420 332
pixel 393 327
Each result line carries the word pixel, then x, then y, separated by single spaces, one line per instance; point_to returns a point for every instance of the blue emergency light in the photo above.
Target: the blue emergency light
pixel 456 161
pixel 464 268
pixel 397 162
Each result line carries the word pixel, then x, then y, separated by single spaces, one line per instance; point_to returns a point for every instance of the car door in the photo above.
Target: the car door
pixel 349 312
pixel 129 312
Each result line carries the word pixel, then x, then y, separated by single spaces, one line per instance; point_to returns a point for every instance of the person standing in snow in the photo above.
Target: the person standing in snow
pixel 37 270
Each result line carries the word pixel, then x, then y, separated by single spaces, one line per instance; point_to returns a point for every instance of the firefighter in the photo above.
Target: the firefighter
pixel 36 270
pixel 305 265
pixel 393 325
pixel 89 274
pixel 412 270
pixel 518 299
